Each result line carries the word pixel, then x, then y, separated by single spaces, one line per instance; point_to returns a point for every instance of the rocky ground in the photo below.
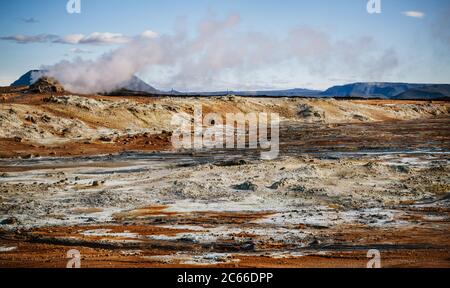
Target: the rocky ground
pixel 351 176
pixel 65 125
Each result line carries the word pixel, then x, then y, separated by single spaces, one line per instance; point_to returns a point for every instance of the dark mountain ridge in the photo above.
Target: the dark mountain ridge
pixel 386 90
pixel 364 90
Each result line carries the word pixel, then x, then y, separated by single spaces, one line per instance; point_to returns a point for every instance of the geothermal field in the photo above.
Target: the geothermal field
pixel 99 174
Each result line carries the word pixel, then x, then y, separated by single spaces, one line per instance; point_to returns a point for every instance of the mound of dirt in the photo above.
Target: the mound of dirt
pixel 46 85
pixel 308 111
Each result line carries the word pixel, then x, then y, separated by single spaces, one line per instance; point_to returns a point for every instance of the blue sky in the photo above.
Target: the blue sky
pixel 277 44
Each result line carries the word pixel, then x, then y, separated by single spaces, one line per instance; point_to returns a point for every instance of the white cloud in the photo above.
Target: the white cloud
pixel 70 39
pixel 25 39
pixel 220 56
pixel 96 38
pixel 105 38
pixel 149 34
pixel 80 51
pixel 414 14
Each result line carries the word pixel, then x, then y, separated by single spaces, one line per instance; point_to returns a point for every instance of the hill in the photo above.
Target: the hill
pixel 390 91
pixel 134 84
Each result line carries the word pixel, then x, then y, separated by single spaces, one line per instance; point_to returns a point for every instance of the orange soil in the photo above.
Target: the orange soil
pixel 10 148
pixel 31 253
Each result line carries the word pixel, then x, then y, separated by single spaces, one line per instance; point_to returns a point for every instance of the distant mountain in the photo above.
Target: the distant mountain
pixel 390 91
pixel 135 84
pixel 383 90
pixel 421 94
pixel 26 79
pixel 280 93
pixel 138 85
pixel 293 92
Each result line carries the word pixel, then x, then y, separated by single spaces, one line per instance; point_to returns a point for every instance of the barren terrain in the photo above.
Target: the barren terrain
pixel 99 174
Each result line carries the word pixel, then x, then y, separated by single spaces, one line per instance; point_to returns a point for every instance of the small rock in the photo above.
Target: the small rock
pixel 315 242
pixel 9 221
pixel 247 186
pixel 248 246
pixel 402 169
pixel 234 162
pixel 30 119
pixel 283 182
pixel 105 139
pixel 46 118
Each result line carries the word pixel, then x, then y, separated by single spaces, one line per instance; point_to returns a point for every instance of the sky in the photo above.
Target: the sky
pixel 202 45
